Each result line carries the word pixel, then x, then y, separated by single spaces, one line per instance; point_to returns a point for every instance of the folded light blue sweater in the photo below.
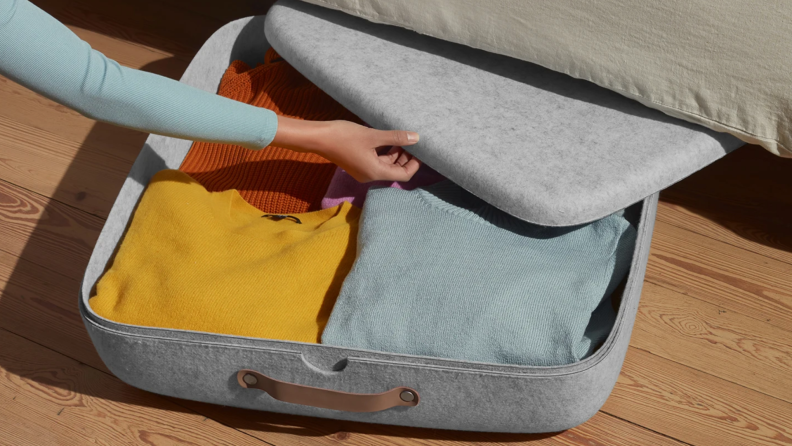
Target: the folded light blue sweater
pixel 42 54
pixel 441 273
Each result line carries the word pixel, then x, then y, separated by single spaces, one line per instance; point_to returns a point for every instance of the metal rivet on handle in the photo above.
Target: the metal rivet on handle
pixel 407 396
pixel 250 379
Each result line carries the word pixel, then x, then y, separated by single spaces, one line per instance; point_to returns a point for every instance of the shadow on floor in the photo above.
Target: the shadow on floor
pixel 39 304
pixel 39 299
pixel 47 342
pixel 746 192
pixel 279 424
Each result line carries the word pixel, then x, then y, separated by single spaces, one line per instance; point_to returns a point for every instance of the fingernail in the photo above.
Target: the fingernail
pixel 412 137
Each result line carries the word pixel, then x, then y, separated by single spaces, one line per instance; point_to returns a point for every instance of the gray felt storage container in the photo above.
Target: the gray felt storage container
pixel 566 152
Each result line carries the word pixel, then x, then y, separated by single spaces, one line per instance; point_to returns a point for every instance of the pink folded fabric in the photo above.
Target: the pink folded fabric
pixel 345 188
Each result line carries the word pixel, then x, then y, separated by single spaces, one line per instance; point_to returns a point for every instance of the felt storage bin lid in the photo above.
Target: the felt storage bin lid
pixel 538 144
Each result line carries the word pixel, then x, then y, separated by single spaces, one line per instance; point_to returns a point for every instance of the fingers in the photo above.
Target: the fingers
pixel 403 158
pixel 396 138
pixel 406 172
pixel 398 165
pixel 378 155
pixel 411 168
pixel 397 155
pixel 393 154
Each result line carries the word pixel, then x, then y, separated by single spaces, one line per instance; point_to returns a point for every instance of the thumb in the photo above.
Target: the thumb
pixel 397 138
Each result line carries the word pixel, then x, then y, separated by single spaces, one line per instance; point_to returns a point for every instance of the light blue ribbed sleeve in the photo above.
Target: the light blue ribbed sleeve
pixel 42 54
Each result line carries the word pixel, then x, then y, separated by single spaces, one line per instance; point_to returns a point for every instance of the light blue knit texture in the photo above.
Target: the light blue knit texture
pixel 42 54
pixel 441 273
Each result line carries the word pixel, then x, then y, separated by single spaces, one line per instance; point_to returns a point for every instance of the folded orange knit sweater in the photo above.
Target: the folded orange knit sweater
pixel 273 179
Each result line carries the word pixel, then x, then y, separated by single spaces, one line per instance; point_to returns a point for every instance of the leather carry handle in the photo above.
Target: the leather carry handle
pixel 325 398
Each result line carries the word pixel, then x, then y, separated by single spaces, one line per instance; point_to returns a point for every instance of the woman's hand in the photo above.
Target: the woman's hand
pixel 352 147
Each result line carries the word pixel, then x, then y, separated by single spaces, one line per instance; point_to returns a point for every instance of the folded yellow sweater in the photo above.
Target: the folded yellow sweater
pixel 208 261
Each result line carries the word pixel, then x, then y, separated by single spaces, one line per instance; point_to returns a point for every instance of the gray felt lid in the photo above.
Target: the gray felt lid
pixel 540 145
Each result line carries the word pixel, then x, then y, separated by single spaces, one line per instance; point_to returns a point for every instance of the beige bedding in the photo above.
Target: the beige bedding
pixel 726 65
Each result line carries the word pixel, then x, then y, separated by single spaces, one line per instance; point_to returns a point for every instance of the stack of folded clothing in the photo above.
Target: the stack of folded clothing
pixel 198 254
pixel 208 261
pixel 441 273
pixel 273 179
pixel 266 244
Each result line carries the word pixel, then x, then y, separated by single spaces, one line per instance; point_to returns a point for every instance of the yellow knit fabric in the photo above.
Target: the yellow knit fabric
pixel 208 261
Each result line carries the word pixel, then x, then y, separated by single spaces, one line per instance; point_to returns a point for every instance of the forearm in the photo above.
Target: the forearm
pixel 42 54
pixel 303 136
pixel 155 104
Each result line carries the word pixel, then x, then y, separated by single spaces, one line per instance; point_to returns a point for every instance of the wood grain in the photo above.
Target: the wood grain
pixel 80 175
pixel 224 11
pixel 35 111
pixel 40 305
pixel 47 396
pixel 602 429
pixel 737 227
pixel 710 356
pixel 62 264
pixel 46 232
pixel 37 114
pixel 732 278
pixel 24 106
pixel 742 200
pixel 130 55
pixel 143 21
pixel 119 23
pixel 720 342
pixel 695 407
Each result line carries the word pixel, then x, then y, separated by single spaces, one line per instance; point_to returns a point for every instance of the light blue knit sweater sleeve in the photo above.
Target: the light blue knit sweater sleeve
pixel 42 54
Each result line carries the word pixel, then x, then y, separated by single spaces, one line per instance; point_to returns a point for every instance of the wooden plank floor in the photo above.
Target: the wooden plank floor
pixel 710 361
